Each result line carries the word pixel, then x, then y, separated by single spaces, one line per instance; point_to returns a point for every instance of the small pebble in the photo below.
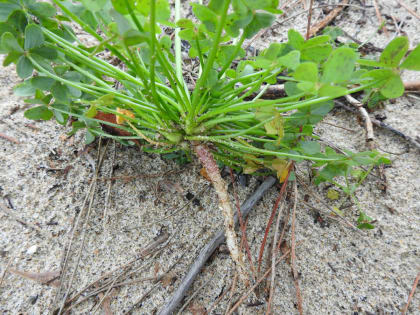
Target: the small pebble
pixel 32 250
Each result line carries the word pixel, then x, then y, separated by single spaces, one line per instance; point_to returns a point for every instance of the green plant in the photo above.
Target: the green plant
pixel 221 114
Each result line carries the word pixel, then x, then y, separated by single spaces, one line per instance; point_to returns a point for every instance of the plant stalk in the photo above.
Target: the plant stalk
pixel 207 160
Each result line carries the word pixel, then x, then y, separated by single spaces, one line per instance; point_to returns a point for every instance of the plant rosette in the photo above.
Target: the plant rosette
pixel 223 119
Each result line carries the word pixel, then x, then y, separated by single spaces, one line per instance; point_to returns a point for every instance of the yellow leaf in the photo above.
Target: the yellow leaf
pixel 281 167
pixel 126 112
pixel 251 165
pixel 333 194
pixel 337 211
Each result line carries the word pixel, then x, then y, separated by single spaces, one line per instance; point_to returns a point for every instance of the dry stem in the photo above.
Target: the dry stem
pixel 370 137
pixel 209 163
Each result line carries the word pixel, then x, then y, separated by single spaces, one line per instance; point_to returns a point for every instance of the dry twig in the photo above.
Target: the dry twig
pixel 416 282
pixel 274 253
pixel 271 219
pixel 409 10
pixel 11 139
pixel 293 253
pixel 327 20
pixel 308 27
pixel 370 136
pixel 379 17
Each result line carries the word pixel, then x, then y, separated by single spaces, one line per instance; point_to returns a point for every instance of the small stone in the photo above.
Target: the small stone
pixel 32 250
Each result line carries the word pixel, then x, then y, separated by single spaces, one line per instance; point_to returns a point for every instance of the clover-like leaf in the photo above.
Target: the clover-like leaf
pixel 339 66
pixel 33 37
pixel 39 113
pixel 412 62
pixel 394 52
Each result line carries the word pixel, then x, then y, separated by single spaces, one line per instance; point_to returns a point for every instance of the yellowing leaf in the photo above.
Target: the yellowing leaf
pixel 333 194
pixel 251 165
pixel 281 167
pixel 126 112
pixel 337 211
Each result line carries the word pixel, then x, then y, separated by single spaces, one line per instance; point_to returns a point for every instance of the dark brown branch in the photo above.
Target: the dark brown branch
pixel 210 247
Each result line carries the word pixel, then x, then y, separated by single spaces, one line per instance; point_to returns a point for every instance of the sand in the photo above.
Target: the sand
pixel 45 178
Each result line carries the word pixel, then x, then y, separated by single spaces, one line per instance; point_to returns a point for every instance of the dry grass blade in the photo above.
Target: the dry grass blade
pixel 327 20
pixel 308 27
pixel 244 296
pixel 149 249
pixel 242 225
pixel 379 17
pixel 91 194
pixel 416 282
pixel 8 138
pixel 108 193
pixel 6 268
pixel 409 10
pixel 10 213
pixel 48 277
pixel 293 253
pixel 274 253
pixel 271 219
pixel 209 248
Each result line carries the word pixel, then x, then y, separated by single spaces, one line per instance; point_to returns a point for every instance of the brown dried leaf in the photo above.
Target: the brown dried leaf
pixel 197 309
pixel 168 279
pixel 203 173
pixel 48 277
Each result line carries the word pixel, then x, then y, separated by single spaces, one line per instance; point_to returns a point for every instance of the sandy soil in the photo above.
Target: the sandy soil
pixel 45 178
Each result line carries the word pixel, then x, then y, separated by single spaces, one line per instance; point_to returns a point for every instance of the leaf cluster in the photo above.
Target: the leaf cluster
pixel 132 68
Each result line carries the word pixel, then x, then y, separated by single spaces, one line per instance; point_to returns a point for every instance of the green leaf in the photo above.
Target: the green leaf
pixel 42 83
pixel 389 82
pixel 45 52
pixel 316 53
pixel 412 62
pixel 89 137
pixel 94 5
pixel 33 36
pixel 333 194
pixel 205 15
pixel 43 9
pixel 162 9
pixel 24 67
pixel 10 44
pixel 11 58
pixel 60 117
pixel 39 113
pixel 296 40
pixel 134 37
pixel 307 71
pixel 24 89
pixel 185 23
pixel 17 19
pixel 394 52
pixel 60 92
pixel 393 87
pixel 331 90
pixel 339 66
pixel 259 21
pixel 6 8
pixel 120 6
pixel 291 60
pixel 310 147
pixel 365 226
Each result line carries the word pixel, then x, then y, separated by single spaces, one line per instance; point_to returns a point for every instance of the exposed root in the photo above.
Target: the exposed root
pixel 209 163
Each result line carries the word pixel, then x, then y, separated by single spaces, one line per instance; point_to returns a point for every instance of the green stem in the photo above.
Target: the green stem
pixel 91 31
pixel 212 55
pixel 229 62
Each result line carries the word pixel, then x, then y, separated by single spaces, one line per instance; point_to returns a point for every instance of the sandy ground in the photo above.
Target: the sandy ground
pixel 45 178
